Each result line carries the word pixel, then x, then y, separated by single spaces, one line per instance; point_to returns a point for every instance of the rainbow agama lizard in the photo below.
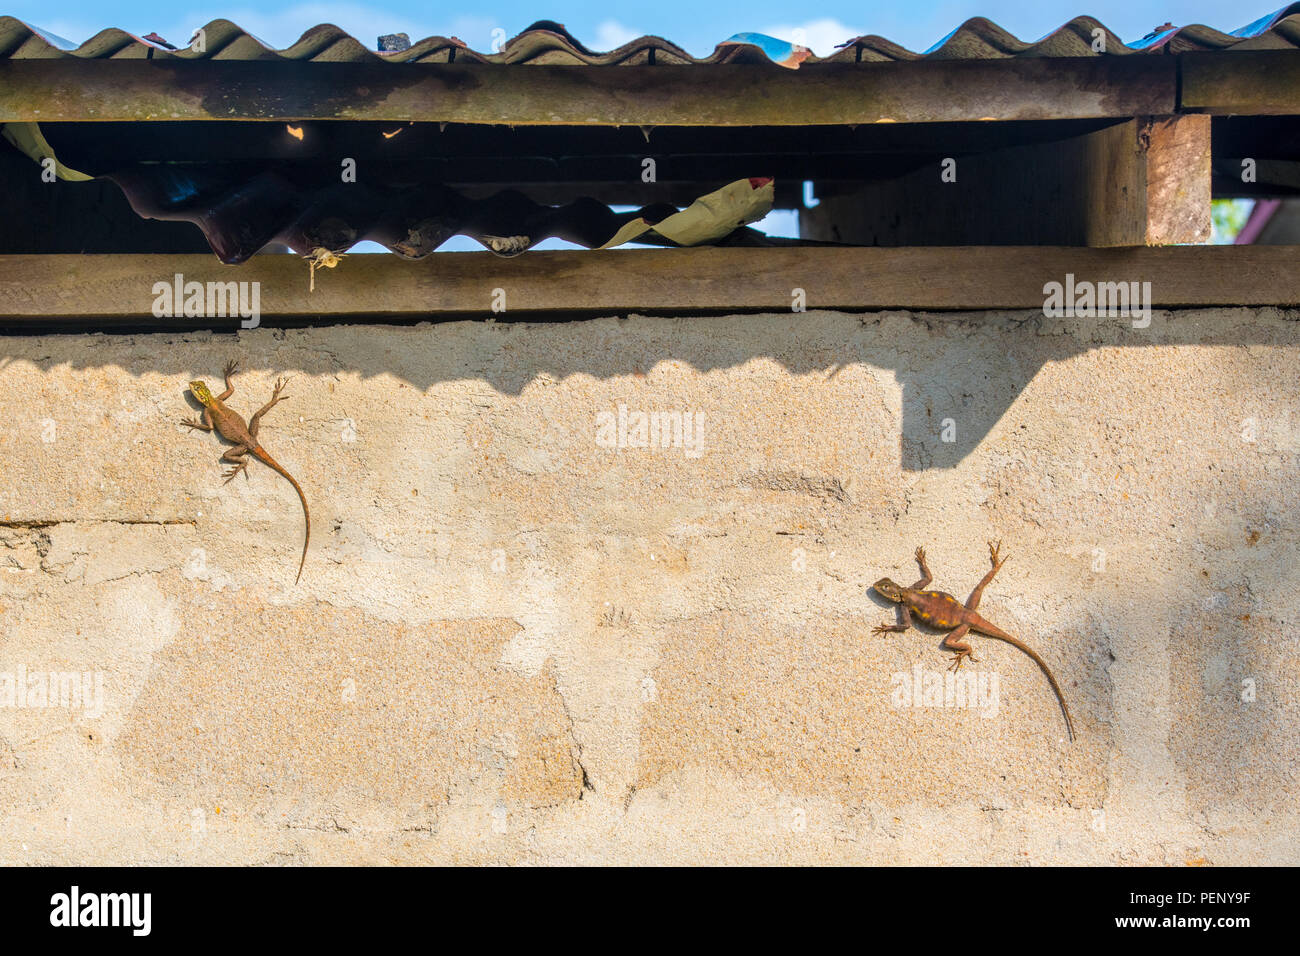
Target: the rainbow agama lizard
pixel 231 427
pixel 943 612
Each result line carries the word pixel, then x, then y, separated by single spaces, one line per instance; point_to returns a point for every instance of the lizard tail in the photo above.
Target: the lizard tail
pixel 1001 635
pixel 306 512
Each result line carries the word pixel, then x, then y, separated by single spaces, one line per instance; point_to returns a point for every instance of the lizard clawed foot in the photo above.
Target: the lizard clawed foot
pixel 230 367
pixel 881 629
pixel 280 383
pixel 994 548
pixel 192 423
pixel 920 555
pixel 233 470
pixel 959 657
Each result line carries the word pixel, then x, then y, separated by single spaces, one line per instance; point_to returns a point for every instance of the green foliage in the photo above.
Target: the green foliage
pixel 1228 216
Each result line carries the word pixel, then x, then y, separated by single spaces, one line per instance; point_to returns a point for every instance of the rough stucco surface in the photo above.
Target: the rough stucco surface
pixel 511 644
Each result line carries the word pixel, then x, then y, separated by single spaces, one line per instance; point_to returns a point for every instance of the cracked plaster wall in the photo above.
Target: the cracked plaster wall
pixel 512 644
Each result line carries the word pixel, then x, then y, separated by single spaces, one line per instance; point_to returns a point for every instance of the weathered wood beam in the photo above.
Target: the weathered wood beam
pixel 1264 83
pixel 1145 181
pixel 108 290
pixel 722 95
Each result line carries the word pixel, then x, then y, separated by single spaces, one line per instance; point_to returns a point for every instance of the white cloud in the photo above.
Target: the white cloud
pixel 611 35
pixel 820 36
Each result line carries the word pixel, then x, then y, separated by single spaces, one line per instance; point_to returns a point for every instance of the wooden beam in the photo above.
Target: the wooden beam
pixel 1264 83
pixel 109 290
pixel 1145 181
pixel 722 95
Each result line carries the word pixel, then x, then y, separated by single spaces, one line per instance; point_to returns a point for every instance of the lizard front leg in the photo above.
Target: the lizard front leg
pixel 276 398
pixel 230 388
pixel 973 601
pixel 203 423
pixel 905 617
pixel 926 576
pixel 238 455
pixel 954 642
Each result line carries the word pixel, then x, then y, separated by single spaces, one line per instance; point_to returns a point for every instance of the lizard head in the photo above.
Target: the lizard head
pixel 201 392
pixel 888 589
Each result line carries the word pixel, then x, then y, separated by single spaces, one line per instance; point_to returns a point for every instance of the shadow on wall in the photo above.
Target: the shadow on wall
pixel 956 384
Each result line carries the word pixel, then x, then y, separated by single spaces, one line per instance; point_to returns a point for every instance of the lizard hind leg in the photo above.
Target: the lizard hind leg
pixel 954 642
pixel 239 457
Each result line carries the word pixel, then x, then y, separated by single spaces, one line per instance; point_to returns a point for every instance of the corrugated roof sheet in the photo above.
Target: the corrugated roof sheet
pixel 242 209
pixel 547 42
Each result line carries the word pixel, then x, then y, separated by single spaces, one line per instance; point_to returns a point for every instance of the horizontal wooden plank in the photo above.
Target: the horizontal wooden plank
pixel 120 289
pixel 1265 83
pixel 722 95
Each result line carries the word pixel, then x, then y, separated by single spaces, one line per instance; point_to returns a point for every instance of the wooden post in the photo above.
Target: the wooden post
pixel 1145 181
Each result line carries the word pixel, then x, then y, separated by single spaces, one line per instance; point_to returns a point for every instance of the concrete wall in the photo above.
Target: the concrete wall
pixel 513 644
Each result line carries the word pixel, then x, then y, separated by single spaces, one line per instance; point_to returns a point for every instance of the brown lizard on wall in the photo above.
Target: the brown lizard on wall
pixel 943 612
pixel 231 427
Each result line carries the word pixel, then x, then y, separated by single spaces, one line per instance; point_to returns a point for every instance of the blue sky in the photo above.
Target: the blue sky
pixel 698 26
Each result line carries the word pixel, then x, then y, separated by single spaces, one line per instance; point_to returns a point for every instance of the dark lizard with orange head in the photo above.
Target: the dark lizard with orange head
pixel 943 612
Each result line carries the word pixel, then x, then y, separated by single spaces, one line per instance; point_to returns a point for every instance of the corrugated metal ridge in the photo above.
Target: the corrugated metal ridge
pixel 240 210
pixel 547 42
